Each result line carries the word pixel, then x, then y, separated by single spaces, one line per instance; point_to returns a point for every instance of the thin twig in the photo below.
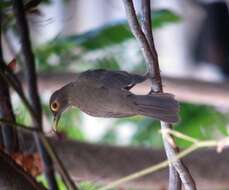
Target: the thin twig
pixel 179 135
pixel 49 149
pixel 147 30
pixel 29 128
pixel 149 170
pixel 174 178
pixel 55 158
pixel 171 150
pixel 197 145
pixel 151 58
pixel 139 35
pixel 22 126
pixel 30 75
pixel 9 133
pixel 12 80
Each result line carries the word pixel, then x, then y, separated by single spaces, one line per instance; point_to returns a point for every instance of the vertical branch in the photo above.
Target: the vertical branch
pixel 174 179
pixel 30 76
pixel 171 151
pixel 149 51
pixel 147 29
pixel 8 132
pixel 139 35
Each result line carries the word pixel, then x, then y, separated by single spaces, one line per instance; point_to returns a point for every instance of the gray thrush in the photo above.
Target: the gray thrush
pixel 103 93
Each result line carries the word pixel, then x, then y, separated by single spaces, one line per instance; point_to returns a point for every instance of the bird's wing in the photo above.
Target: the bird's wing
pixel 113 79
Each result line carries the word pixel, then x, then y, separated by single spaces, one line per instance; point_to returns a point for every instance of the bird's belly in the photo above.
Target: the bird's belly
pixel 104 104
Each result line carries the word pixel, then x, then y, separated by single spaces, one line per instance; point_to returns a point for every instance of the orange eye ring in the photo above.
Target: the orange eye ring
pixel 55 106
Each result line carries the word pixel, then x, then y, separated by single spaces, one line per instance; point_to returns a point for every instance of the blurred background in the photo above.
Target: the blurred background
pixel 192 40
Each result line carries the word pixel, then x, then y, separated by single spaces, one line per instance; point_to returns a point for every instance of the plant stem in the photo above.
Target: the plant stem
pixel 8 132
pixel 174 178
pixel 146 43
pixel 150 169
pixel 197 145
pixel 30 76
pixel 49 149
pixel 170 148
pixel 23 127
pixel 55 158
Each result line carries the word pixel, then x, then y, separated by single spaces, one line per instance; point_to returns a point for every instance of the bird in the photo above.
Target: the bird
pixel 106 93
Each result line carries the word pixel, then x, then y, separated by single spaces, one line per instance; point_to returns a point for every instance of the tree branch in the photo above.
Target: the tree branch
pixel 147 30
pixel 41 135
pixel 171 151
pixel 174 179
pixel 9 133
pixel 151 58
pixel 30 76
pixel 139 35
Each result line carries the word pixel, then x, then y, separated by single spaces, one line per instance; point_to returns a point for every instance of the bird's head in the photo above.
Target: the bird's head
pixel 58 103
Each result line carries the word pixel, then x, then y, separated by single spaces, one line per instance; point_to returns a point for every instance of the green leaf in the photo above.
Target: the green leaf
pixel 118 32
pixel 42 179
pixel 108 63
pixel 84 185
pixel 110 137
pixel 201 122
pixel 111 34
pixel 198 121
pixel 5 4
pixel 163 17
pixel 70 123
pixel 147 133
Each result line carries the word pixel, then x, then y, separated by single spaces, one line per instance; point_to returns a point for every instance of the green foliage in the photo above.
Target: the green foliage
pixel 22 115
pixel 107 63
pixel 84 185
pixel 164 17
pixel 110 137
pixel 43 180
pixel 201 122
pixel 61 51
pixel 72 48
pixel 6 7
pixel 147 133
pixel 70 124
pixel 5 4
pixel 116 33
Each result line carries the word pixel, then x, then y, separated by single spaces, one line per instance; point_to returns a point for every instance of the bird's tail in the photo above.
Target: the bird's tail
pixel 162 106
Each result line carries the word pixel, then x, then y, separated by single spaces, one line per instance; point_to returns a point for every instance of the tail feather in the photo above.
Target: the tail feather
pixel 160 106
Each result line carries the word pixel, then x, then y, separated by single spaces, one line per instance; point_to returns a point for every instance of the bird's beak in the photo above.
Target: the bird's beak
pixel 56 121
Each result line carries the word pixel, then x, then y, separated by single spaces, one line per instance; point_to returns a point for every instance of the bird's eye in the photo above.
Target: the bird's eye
pixel 55 106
